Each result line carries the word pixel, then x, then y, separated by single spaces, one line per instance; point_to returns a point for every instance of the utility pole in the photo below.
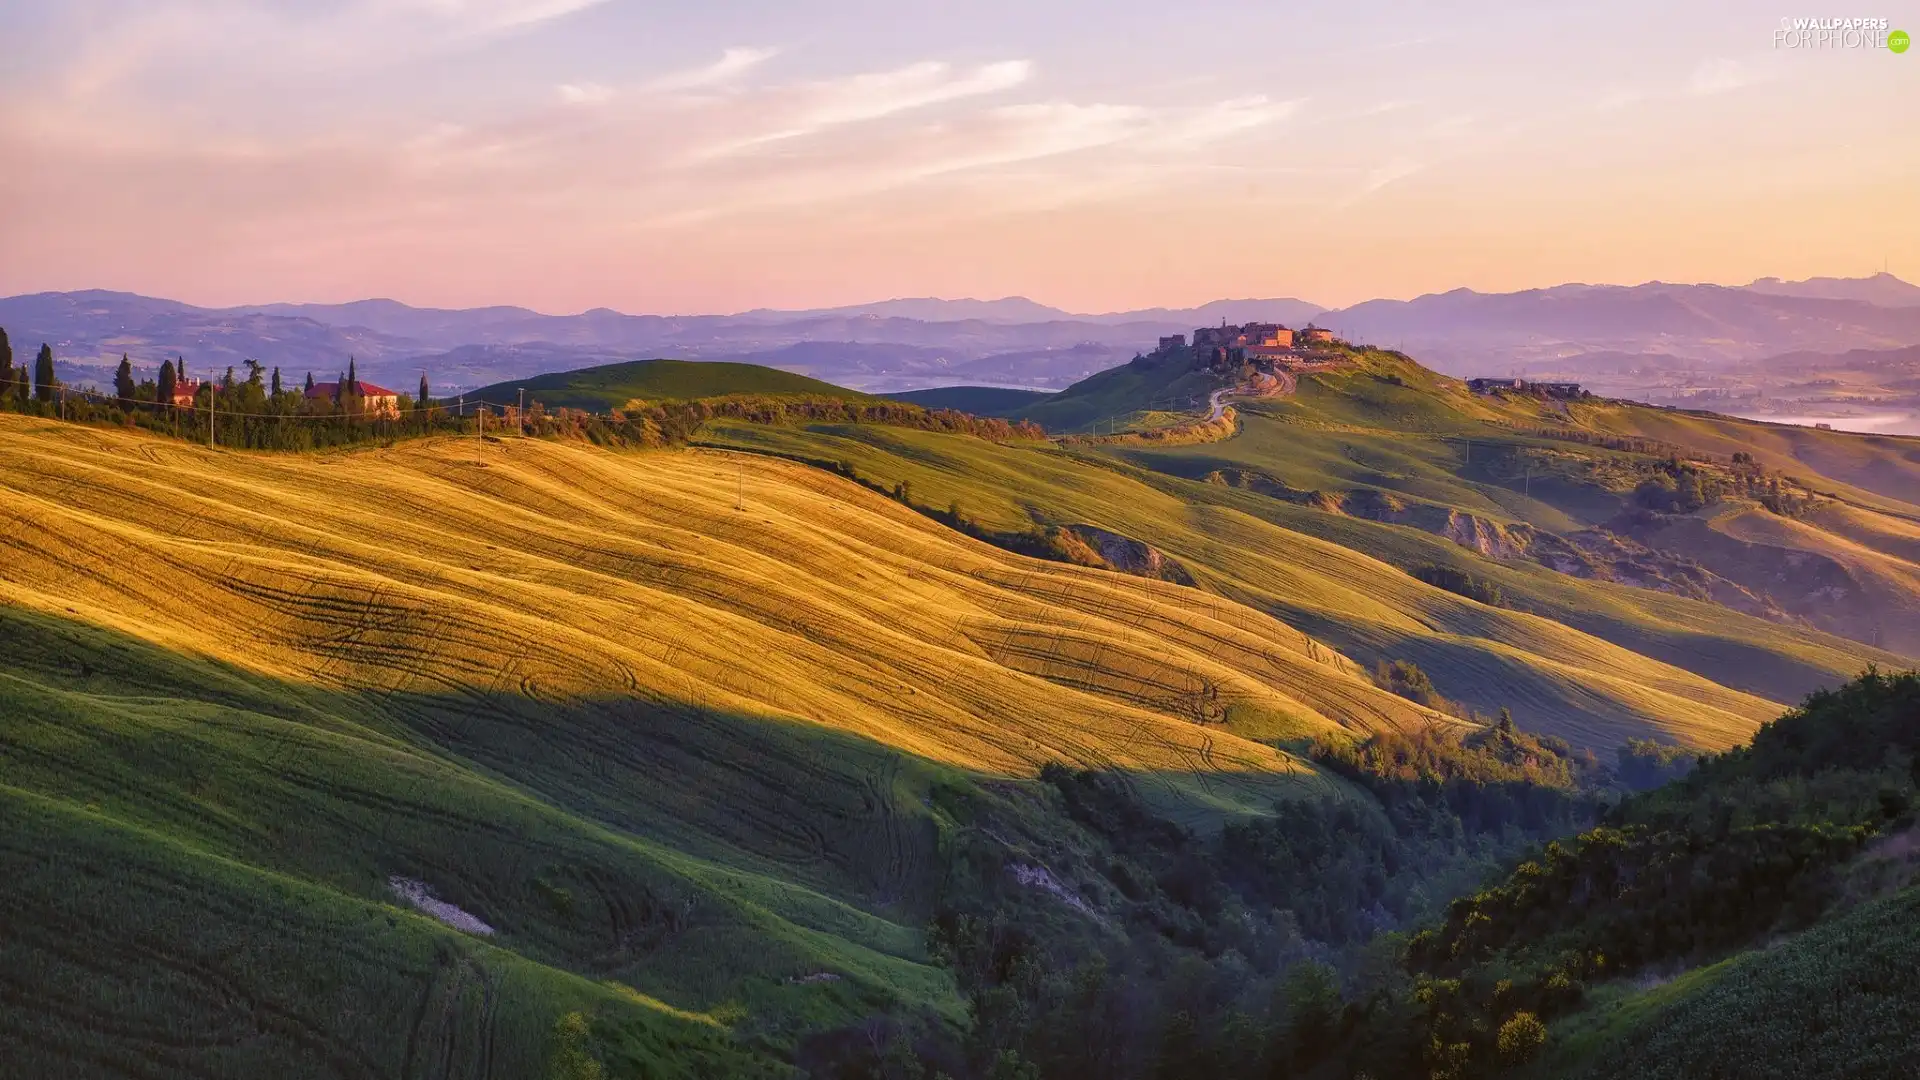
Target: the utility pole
pixel 209 414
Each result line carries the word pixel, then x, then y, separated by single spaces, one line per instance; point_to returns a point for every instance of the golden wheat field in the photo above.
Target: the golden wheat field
pixel 732 582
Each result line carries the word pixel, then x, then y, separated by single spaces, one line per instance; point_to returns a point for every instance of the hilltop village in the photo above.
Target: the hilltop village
pixel 1268 348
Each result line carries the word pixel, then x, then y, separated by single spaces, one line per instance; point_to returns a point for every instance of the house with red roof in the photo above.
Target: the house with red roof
pixel 365 398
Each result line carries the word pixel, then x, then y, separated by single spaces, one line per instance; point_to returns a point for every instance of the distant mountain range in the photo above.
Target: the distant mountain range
pixel 1708 324
pixel 1879 289
pixel 897 344
pixel 1019 309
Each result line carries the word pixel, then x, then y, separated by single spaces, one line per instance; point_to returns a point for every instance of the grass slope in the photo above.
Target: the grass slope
pixel 1142 386
pixel 1837 1000
pixel 128 953
pixel 612 386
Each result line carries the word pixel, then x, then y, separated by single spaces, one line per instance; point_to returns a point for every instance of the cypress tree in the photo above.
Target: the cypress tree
pixel 7 375
pixel 123 382
pixel 169 385
pixel 43 378
pixel 276 382
pixel 423 401
pixel 309 382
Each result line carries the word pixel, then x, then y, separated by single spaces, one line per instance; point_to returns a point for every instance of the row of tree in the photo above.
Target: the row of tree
pixel 252 408
pixel 19 385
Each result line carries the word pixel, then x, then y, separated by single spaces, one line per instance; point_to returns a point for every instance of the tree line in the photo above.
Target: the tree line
pixel 256 408
pixel 1433 920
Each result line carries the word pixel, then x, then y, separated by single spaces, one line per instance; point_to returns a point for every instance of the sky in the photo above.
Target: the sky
pixel 1098 155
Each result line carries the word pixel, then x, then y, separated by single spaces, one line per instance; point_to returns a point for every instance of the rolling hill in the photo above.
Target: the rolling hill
pixel 1573 486
pixel 1144 385
pixel 612 386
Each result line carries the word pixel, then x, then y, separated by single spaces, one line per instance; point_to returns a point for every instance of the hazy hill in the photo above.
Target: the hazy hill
pixel 394 343
pixel 1019 309
pixel 90 330
pixel 1284 309
pixel 1890 360
pixel 1461 329
pixel 903 344
pixel 1012 309
pixel 1882 288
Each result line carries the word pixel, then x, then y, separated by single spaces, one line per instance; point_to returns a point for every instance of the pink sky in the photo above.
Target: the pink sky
pixel 567 154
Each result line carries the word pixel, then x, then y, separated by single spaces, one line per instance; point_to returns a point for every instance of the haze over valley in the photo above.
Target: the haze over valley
pixel 1673 344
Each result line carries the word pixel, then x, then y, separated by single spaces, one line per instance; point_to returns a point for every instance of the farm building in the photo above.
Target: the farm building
pixel 374 400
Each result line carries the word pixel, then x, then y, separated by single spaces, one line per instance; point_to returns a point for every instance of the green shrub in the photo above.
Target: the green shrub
pixel 1461 583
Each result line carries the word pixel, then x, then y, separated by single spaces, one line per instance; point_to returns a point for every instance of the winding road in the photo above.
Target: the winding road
pixel 1217 401
pixel 1217 407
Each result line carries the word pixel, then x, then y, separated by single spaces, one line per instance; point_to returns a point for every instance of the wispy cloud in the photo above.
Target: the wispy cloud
pixel 809 108
pixel 235 37
pixel 732 64
pixel 1225 119
pixel 469 16
pixel 1004 152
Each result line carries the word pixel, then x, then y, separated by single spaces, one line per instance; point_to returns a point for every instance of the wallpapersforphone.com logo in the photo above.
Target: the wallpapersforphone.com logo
pixel 1840 34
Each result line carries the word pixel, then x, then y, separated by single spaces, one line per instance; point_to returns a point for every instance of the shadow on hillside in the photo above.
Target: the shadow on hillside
pixel 594 833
